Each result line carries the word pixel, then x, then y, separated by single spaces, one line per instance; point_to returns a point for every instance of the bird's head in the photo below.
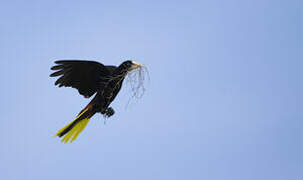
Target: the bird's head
pixel 130 65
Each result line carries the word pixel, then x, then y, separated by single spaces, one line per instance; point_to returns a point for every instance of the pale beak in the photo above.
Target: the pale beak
pixel 135 65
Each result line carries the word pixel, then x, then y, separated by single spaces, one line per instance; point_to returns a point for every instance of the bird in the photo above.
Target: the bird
pixel 89 78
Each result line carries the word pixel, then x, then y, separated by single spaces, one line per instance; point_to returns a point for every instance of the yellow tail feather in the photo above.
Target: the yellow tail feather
pixel 76 130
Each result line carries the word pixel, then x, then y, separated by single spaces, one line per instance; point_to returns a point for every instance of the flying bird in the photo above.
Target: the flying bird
pixel 89 78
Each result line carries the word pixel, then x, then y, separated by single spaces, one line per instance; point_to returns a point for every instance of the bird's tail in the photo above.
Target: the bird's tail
pixel 73 129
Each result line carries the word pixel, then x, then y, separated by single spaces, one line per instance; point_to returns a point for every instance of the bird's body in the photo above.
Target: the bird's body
pixel 90 77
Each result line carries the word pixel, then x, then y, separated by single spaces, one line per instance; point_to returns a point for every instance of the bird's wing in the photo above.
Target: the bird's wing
pixel 86 76
pixel 111 69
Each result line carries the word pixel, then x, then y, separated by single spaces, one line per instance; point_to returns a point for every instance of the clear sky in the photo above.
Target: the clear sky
pixel 224 100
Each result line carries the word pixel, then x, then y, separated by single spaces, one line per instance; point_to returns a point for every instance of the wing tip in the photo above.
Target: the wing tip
pixel 59 61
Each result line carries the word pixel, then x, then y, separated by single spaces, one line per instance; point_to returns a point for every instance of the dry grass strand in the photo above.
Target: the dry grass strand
pixel 135 79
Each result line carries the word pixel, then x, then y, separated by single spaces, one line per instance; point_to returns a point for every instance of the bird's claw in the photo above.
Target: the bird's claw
pixel 109 112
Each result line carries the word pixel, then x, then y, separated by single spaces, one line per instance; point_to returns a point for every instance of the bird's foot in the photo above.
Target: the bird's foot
pixel 109 112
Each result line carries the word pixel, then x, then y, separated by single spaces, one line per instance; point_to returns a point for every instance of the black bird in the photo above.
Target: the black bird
pixel 90 77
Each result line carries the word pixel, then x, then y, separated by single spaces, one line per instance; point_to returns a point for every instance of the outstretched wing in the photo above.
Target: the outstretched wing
pixel 86 76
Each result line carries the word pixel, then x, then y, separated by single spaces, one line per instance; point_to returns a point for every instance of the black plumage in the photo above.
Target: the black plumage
pixel 90 77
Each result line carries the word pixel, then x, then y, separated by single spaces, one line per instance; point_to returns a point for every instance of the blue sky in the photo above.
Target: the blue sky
pixel 224 100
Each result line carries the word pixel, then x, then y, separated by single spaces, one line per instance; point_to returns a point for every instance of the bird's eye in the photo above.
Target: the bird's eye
pixel 128 64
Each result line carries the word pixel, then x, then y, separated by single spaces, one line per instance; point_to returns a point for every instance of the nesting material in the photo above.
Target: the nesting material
pixel 136 79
